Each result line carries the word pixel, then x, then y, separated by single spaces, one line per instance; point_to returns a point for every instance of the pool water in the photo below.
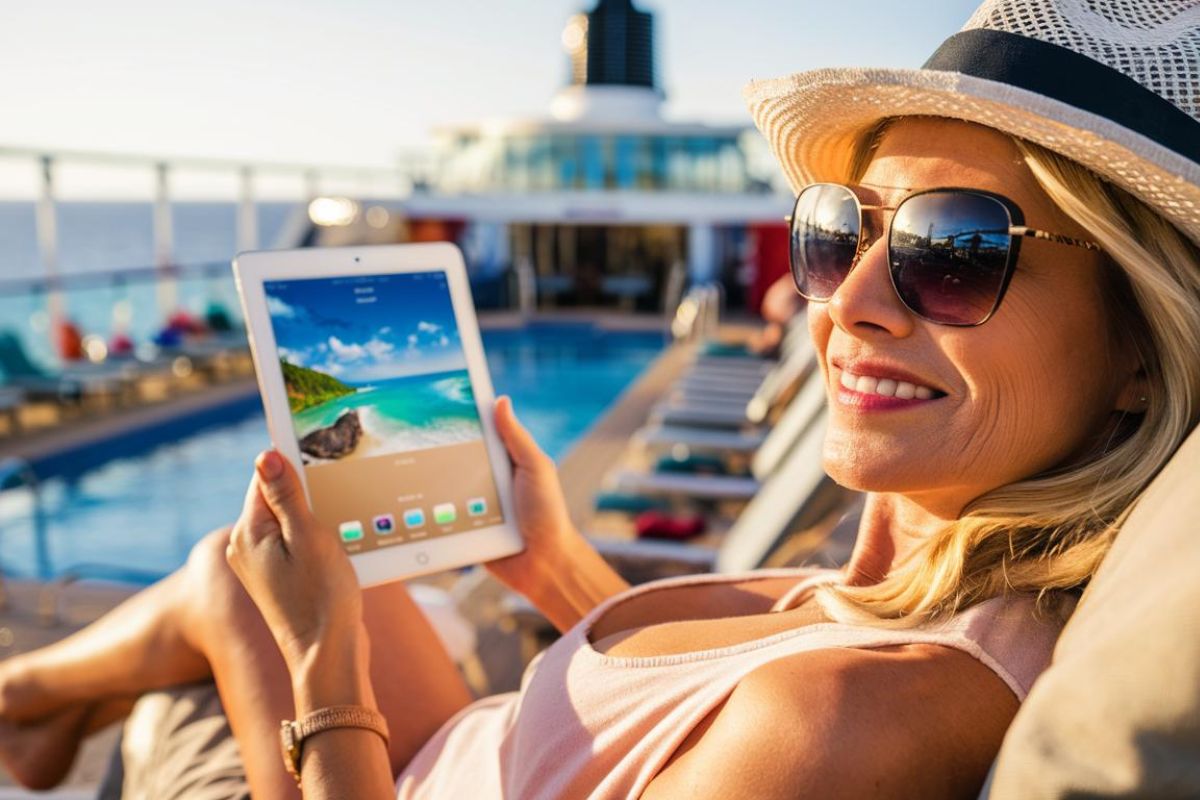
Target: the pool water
pixel 137 517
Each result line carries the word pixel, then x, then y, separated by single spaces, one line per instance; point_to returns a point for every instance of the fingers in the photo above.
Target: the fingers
pixel 281 489
pixel 256 521
pixel 522 448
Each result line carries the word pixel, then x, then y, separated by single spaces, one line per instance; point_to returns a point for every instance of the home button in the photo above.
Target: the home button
pixel 422 558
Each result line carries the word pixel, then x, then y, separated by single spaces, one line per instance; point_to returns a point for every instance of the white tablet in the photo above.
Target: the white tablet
pixel 375 385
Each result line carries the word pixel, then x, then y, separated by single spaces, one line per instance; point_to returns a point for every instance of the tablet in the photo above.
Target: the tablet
pixel 375 386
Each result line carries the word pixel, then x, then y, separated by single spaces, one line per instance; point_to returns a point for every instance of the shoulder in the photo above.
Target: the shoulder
pixel 913 720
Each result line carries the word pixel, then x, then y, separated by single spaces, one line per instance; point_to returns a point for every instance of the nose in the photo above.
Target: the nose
pixel 866 305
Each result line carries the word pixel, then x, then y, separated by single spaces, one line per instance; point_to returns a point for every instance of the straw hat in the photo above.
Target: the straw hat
pixel 1112 84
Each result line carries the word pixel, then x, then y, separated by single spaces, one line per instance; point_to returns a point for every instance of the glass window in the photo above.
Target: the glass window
pixel 660 155
pixel 565 155
pixel 703 164
pixel 679 164
pixel 627 165
pixel 541 167
pixel 731 167
pixel 592 159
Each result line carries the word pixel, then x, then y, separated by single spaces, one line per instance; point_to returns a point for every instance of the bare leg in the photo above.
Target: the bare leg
pixel 39 754
pixel 200 622
pixel 138 647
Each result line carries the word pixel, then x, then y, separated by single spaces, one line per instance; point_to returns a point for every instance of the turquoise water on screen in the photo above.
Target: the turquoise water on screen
pixel 403 414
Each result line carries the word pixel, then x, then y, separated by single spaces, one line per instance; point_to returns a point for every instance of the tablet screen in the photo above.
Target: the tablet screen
pixel 382 407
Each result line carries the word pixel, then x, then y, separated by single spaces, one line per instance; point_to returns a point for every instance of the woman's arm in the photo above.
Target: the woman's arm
pixel 559 571
pixel 300 578
pixel 911 721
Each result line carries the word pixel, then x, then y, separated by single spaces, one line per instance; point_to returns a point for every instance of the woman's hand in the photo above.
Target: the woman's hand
pixel 559 571
pixel 294 568
pixel 540 508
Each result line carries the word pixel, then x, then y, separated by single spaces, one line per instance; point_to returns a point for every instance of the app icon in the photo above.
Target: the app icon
pixel 351 531
pixel 384 524
pixel 476 507
pixel 414 518
pixel 444 514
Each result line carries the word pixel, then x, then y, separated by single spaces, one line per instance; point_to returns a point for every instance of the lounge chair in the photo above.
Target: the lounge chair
pixel 70 386
pixel 798 424
pixel 736 398
pixel 792 497
pixel 1117 714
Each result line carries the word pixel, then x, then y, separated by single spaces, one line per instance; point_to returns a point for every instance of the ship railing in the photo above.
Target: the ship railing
pixel 163 277
pixel 399 181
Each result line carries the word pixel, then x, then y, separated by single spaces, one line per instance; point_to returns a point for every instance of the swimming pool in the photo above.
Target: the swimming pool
pixel 140 515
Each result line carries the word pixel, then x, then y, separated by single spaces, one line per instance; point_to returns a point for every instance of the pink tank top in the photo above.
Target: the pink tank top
pixel 588 725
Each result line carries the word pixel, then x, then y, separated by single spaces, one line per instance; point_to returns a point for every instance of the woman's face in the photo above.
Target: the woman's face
pixel 1027 390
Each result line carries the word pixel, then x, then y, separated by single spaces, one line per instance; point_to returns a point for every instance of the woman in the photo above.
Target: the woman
pixel 1008 342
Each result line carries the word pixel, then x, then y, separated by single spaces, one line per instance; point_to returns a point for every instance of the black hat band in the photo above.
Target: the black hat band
pixel 1069 77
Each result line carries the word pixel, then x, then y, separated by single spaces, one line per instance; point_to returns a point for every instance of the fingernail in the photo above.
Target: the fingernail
pixel 270 466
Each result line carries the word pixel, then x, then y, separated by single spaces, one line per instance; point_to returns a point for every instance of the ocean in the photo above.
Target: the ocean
pixel 106 236
pixel 403 414
pixel 101 244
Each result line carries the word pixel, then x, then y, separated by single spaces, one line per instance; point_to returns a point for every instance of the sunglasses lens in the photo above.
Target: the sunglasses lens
pixel 824 239
pixel 949 253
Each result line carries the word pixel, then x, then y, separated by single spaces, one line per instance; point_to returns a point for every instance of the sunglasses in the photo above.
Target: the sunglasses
pixel 951 252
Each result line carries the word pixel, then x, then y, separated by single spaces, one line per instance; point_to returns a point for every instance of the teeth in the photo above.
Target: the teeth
pixel 885 387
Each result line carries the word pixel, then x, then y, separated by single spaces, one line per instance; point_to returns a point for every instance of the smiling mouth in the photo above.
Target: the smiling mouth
pixel 887 387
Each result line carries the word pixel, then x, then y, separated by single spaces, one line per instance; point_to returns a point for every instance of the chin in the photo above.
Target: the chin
pixel 876 467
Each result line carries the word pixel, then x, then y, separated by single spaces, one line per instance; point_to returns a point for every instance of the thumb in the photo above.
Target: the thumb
pixel 519 442
pixel 281 488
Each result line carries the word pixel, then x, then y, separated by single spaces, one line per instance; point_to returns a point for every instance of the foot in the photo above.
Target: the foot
pixel 39 754
pixel 21 699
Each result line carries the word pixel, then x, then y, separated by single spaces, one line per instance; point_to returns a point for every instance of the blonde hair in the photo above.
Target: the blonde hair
pixel 1050 531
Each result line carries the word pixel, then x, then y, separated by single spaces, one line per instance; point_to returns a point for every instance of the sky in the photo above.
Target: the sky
pixel 362 330
pixel 358 81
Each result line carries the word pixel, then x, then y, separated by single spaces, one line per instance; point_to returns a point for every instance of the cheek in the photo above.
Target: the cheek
pixel 1036 392
pixel 820 328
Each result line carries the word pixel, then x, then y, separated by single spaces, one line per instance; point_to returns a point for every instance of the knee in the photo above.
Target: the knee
pixel 216 590
pixel 206 561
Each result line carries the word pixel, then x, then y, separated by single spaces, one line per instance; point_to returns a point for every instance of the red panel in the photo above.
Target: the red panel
pixel 769 259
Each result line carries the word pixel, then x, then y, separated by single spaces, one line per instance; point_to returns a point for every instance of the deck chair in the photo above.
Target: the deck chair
pixel 794 427
pixel 736 397
pixel 707 429
pixel 1117 713
pixel 711 360
pixel 69 386
pixel 792 497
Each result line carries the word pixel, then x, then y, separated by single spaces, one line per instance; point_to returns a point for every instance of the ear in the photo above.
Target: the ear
pixel 1133 396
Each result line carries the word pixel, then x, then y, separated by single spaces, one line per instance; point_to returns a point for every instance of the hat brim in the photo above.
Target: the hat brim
pixel 813 120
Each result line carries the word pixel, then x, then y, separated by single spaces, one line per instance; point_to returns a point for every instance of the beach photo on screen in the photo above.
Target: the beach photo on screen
pixel 373 365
